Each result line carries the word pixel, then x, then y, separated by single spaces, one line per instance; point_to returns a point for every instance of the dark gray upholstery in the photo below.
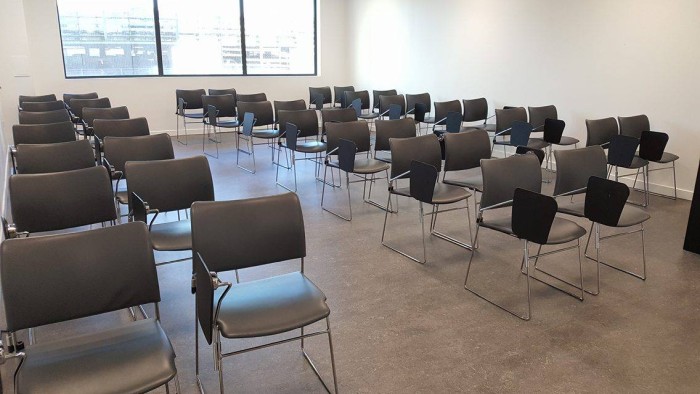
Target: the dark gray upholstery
pixel 262 110
pixel 539 114
pixel 336 115
pixel 503 176
pixel 192 97
pixel 62 156
pixel 238 234
pixel 42 106
pixel 377 93
pixel 169 185
pixel 271 306
pixel 400 128
pixel 600 131
pixel 465 150
pixel 576 166
pixel 442 108
pixel 61 200
pixel 562 230
pixel 225 105
pixel 357 131
pixel 119 150
pixel 251 98
pixel 363 95
pixel 91 114
pixel 475 110
pixel 506 117
pixel 425 148
pixel 46 133
pixel 36 99
pixel 633 126
pixel 306 121
pixel 121 127
pixel 218 92
pixel 385 101
pixel 59 115
pixel 339 94
pixel 291 105
pixel 413 99
pixel 67 97
pixel 325 91
pixel 77 105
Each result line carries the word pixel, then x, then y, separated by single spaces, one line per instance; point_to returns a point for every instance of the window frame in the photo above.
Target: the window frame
pixel 159 51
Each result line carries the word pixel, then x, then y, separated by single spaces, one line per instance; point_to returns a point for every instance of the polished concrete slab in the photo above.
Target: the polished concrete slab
pixel 399 326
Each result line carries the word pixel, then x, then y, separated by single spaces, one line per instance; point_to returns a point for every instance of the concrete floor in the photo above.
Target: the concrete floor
pixel 403 327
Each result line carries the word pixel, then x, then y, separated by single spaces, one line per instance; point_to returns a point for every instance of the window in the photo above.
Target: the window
pixel 176 37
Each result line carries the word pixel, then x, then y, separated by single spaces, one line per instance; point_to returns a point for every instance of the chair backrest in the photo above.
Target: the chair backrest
pixel 363 95
pixel 525 150
pixel 576 166
pixel 475 109
pixel 121 127
pixel 62 156
pixel 337 115
pixel 236 234
pixel 420 98
pixel 218 92
pixel 292 105
pixel 67 97
pixel 385 102
pixel 46 133
pixel 600 131
pixel 424 148
pixel 91 114
pixel 305 120
pixel 605 200
pixel 652 145
pixel 61 200
pixel 520 133
pixel 553 130
pixel 357 132
pixel 225 105
pixel 325 91
pixel 453 123
pixel 465 150
pixel 423 178
pixel 503 176
pixel 506 117
pixel 77 105
pixel 191 97
pixel 622 150
pixel 400 128
pixel 251 97
pixel 36 99
pixel 262 111
pixel 59 115
pixel 40 106
pixel 119 150
pixel 170 185
pixel 442 108
pixel 539 114
pixel 377 93
pixel 62 277
pixel 633 126
pixel 339 94
pixel 533 215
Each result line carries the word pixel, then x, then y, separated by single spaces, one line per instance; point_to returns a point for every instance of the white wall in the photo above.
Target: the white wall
pixel 592 59
pixel 154 97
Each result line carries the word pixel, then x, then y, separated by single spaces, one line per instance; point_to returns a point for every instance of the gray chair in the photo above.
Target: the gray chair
pixel 56 116
pixel 77 105
pixel 419 160
pixel 103 128
pixel 263 119
pixel 386 129
pixel 339 95
pixel 189 109
pixel 376 100
pixel 477 110
pixel 219 112
pixel 464 152
pixel 335 115
pixel 60 278
pixel 59 201
pixel 419 105
pixel 600 131
pixel 67 97
pixel 516 182
pixel 41 106
pixel 346 140
pixel 119 150
pixel 442 108
pixel 46 158
pixel 319 97
pixel 218 92
pixel 605 205
pixel 386 101
pixel 574 168
pixel 299 134
pixel 43 133
pixel 225 238
pixel 359 101
pixel 291 105
pixel 635 126
pixel 251 97
pixel 505 118
pixel 161 186
pixel 44 98
pixel 91 114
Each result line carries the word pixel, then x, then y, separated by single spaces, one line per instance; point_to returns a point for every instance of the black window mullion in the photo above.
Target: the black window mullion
pixel 244 57
pixel 159 46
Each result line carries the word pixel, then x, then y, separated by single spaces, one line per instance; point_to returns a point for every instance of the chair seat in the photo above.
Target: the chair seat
pixel 442 194
pixel 488 127
pixel 311 146
pixel 475 182
pixel 271 306
pixel 123 197
pixel 268 133
pixel 566 140
pixel 571 208
pixel 365 166
pixel 537 143
pixel 428 120
pixel 194 115
pixel 637 162
pixel 172 236
pixel 666 158
pixel 629 217
pixel 136 357
pixel 562 230
pixel 225 123
pixel 372 115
